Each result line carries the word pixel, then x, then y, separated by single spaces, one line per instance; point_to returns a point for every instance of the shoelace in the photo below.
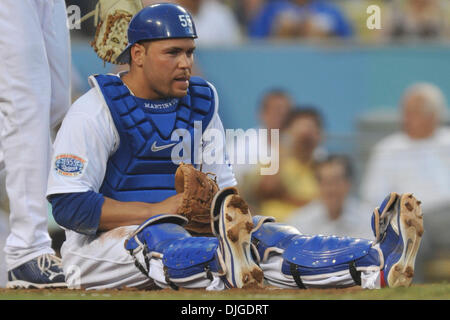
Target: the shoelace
pixel 46 262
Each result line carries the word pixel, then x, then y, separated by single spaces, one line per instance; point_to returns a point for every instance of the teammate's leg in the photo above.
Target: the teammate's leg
pixel 57 45
pixel 25 90
pixel 4 224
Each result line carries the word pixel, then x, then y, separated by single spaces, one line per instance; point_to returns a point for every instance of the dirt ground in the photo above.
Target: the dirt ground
pixel 436 291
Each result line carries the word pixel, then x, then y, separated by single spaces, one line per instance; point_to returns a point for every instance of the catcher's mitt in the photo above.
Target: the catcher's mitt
pixel 198 192
pixel 111 34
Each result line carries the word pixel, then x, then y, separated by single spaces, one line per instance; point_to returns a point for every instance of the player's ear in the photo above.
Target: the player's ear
pixel 137 54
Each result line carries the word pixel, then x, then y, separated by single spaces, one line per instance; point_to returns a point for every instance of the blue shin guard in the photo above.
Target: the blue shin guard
pixel 305 255
pixel 185 258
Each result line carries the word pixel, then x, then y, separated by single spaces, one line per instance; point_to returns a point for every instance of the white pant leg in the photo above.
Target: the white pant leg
pixel 101 262
pixel 4 230
pixel 25 103
pixel 4 212
pixel 57 45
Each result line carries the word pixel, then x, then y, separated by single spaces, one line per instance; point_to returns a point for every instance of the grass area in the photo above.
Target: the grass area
pixel 437 291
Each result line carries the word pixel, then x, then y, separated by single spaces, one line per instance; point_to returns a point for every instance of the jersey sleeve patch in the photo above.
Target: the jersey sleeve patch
pixel 69 165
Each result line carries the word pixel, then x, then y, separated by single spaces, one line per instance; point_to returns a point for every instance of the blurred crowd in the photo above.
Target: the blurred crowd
pixel 315 190
pixel 224 22
pixel 416 159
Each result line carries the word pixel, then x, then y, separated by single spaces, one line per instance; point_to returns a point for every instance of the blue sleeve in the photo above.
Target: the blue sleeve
pixel 261 25
pixel 342 25
pixel 79 211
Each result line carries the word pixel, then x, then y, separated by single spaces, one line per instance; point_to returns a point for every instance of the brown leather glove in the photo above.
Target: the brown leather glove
pixel 198 192
pixel 111 19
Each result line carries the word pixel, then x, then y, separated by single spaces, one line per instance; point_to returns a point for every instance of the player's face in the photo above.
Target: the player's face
pixel 167 66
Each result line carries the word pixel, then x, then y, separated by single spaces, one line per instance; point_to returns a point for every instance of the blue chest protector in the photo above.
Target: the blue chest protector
pixel 138 171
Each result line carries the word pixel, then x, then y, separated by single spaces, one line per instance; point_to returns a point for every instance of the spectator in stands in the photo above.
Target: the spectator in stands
pixel 275 105
pixel 300 19
pixel 214 21
pixel 274 108
pixel 246 10
pixel 417 159
pixel 417 19
pixel 295 184
pixel 336 211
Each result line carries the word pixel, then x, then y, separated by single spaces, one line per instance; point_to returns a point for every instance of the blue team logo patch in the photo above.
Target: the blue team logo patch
pixel 69 165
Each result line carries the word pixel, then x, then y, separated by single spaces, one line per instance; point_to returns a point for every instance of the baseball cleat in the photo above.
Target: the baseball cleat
pixel 399 231
pixel 232 224
pixel 43 272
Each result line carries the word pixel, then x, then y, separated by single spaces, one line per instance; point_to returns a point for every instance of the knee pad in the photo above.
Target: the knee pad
pixel 155 232
pixel 191 258
pixel 184 257
pixel 271 237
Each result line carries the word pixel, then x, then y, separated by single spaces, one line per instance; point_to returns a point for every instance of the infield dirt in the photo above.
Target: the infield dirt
pixel 435 291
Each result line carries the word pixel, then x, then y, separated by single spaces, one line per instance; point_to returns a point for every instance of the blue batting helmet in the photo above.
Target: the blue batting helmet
pixel 158 21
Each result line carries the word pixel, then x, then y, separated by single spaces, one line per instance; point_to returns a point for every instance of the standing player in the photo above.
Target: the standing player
pixel 34 97
pixel 113 182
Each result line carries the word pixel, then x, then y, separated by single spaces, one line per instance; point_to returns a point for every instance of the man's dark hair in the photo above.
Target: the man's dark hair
pixel 303 112
pixel 341 159
pixel 277 92
pixel 144 43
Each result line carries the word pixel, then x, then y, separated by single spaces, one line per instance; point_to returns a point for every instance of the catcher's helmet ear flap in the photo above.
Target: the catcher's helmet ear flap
pixel 158 21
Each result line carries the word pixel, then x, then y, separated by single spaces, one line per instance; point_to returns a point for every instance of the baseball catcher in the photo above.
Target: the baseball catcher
pixel 135 218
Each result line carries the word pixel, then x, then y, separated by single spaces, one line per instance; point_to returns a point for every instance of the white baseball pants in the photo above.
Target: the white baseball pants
pixel 34 97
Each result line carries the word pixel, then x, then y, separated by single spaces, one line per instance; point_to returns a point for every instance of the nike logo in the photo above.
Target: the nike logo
pixel 156 148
